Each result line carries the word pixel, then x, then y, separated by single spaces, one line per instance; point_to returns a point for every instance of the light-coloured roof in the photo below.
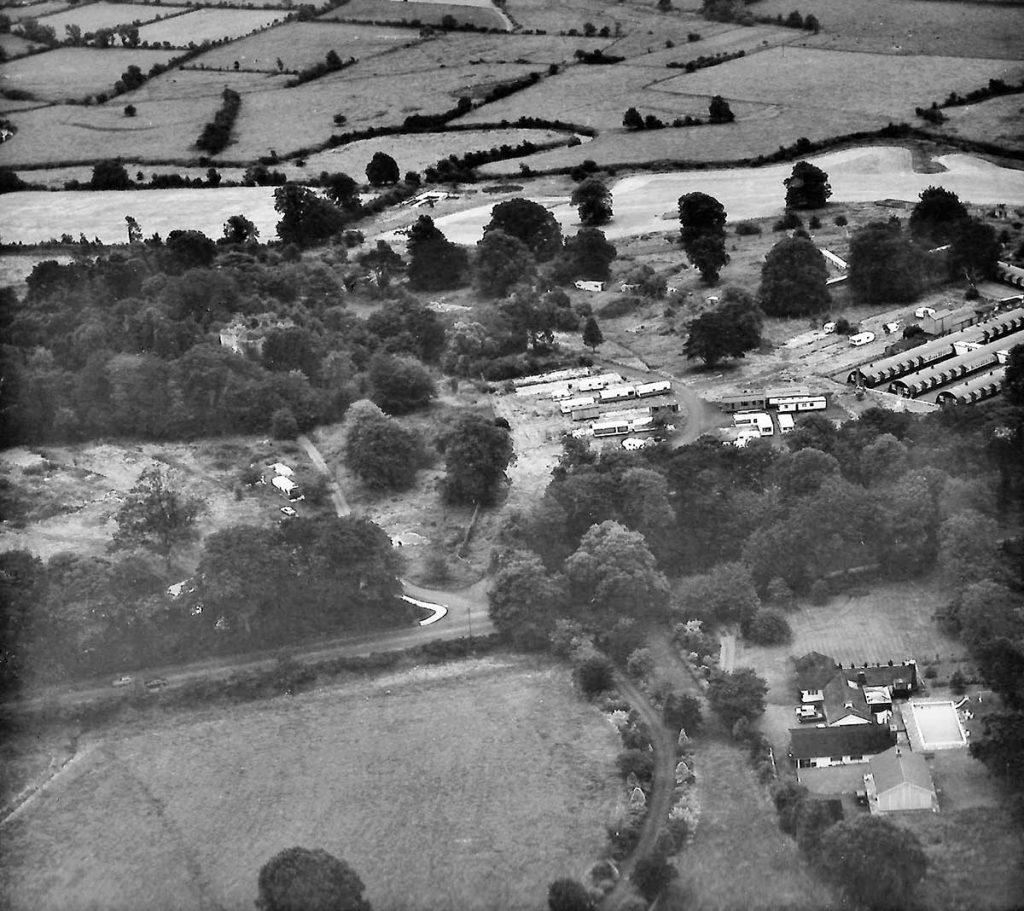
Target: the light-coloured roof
pixel 898 766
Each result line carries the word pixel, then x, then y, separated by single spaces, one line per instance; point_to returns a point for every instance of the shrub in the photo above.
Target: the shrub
pixel 594 675
pixel 640 663
pixel 840 221
pixel 814 222
pixel 790 221
pixel 819 592
pixel 768 627
pixel 746 228
pixel 283 425
pixel 958 682
pixel 636 762
pixel 129 110
pixel 930 673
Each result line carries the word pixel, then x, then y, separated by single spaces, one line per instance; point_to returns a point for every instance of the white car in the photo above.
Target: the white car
pixel 124 681
pixel 288 511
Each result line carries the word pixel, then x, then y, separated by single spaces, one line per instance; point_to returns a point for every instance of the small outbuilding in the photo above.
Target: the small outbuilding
pixel 899 781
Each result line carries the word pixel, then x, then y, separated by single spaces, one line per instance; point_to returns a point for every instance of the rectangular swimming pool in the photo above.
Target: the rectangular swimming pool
pixel 938 725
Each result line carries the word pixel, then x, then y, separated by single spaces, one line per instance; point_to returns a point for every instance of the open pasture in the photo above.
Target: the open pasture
pixel 419 151
pixel 572 14
pixel 74 72
pixel 467 786
pixel 15 45
pixel 301 44
pixel 739 858
pixel 189 85
pixel 427 13
pixel 209 25
pixel 823 81
pixel 998 120
pixel 92 16
pixel 905 27
pixel 37 216
pixel 19 13
pixel 720 39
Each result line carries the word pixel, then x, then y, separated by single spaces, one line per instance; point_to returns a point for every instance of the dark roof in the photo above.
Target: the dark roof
pixel 844 697
pixel 846 740
pixel 896 766
pixel 883 675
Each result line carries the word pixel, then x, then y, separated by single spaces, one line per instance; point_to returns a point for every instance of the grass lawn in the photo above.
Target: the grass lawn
pixel 739 858
pixel 93 16
pixel 302 44
pixel 907 27
pixel 73 72
pixel 209 25
pixel 467 786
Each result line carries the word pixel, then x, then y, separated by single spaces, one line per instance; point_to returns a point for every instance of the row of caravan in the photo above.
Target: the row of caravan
pixel 618 393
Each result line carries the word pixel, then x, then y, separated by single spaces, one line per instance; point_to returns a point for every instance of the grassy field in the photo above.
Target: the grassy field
pixel 428 13
pixel 94 16
pixel 34 10
pixel 739 858
pixel 208 25
pixel 469 786
pixel 302 44
pixel 15 45
pixel 73 72
pixel 1000 120
pixel 906 27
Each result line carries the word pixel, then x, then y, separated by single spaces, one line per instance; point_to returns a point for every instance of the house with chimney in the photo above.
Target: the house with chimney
pixel 823 747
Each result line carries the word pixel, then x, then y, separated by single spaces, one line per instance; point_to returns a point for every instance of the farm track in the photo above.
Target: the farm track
pixel 341 506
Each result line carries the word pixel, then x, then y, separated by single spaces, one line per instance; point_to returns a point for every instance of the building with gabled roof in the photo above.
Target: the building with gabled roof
pixel 821 747
pixel 899 781
pixel 844 703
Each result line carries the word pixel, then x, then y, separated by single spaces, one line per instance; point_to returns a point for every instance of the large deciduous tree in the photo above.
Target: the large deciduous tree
pixel 807 187
pixel 588 255
pixel 156 516
pixel 435 263
pixel 525 601
pixel 399 384
pixel 885 266
pixel 736 695
pixel 793 279
pixel 703 233
pixel 477 452
pixel 303 879
pixel 726 594
pixel 874 861
pixel 502 261
pixel 728 330
pixel 594 201
pixel 530 223
pixel 937 216
pixel 306 218
pixel 378 450
pixel 569 895
pixel 613 572
pixel 382 169
pixel 974 251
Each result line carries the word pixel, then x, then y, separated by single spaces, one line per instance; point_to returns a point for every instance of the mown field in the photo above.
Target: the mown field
pixel 74 72
pixel 208 25
pixel 92 16
pixel 301 44
pixel 468 786
pixel 903 27
pixel 427 13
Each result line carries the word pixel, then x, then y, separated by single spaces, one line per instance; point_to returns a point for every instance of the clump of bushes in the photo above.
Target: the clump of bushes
pixel 747 228
pixel 217 133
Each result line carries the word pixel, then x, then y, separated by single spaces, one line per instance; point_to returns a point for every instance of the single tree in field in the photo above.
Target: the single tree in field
pixel 937 216
pixel 382 169
pixel 300 879
pixel 737 695
pixel 594 201
pixel 110 174
pixel 793 279
pixel 134 231
pixel 435 263
pixel 874 861
pixel 885 266
pixel 719 111
pixel 807 187
pixel 592 335
pixel 378 450
pixel 156 516
pixel 477 452
pixel 501 262
pixel 530 223
pixel 702 234
pixel 729 330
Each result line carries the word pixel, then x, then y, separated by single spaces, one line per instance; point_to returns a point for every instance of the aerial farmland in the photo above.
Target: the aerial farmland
pixel 505 454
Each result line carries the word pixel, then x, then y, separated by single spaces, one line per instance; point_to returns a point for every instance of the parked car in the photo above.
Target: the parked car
pixel 289 512
pixel 124 681
pixel 808 714
pixel 156 683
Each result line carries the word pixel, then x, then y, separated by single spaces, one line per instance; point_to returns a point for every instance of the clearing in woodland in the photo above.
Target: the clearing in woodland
pixel 468 786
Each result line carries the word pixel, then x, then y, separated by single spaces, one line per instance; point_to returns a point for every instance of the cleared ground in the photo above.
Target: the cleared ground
pixel 74 72
pixel 468 786
pixel 209 25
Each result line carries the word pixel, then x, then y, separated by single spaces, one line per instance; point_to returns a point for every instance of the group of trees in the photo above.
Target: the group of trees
pixel 703 233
